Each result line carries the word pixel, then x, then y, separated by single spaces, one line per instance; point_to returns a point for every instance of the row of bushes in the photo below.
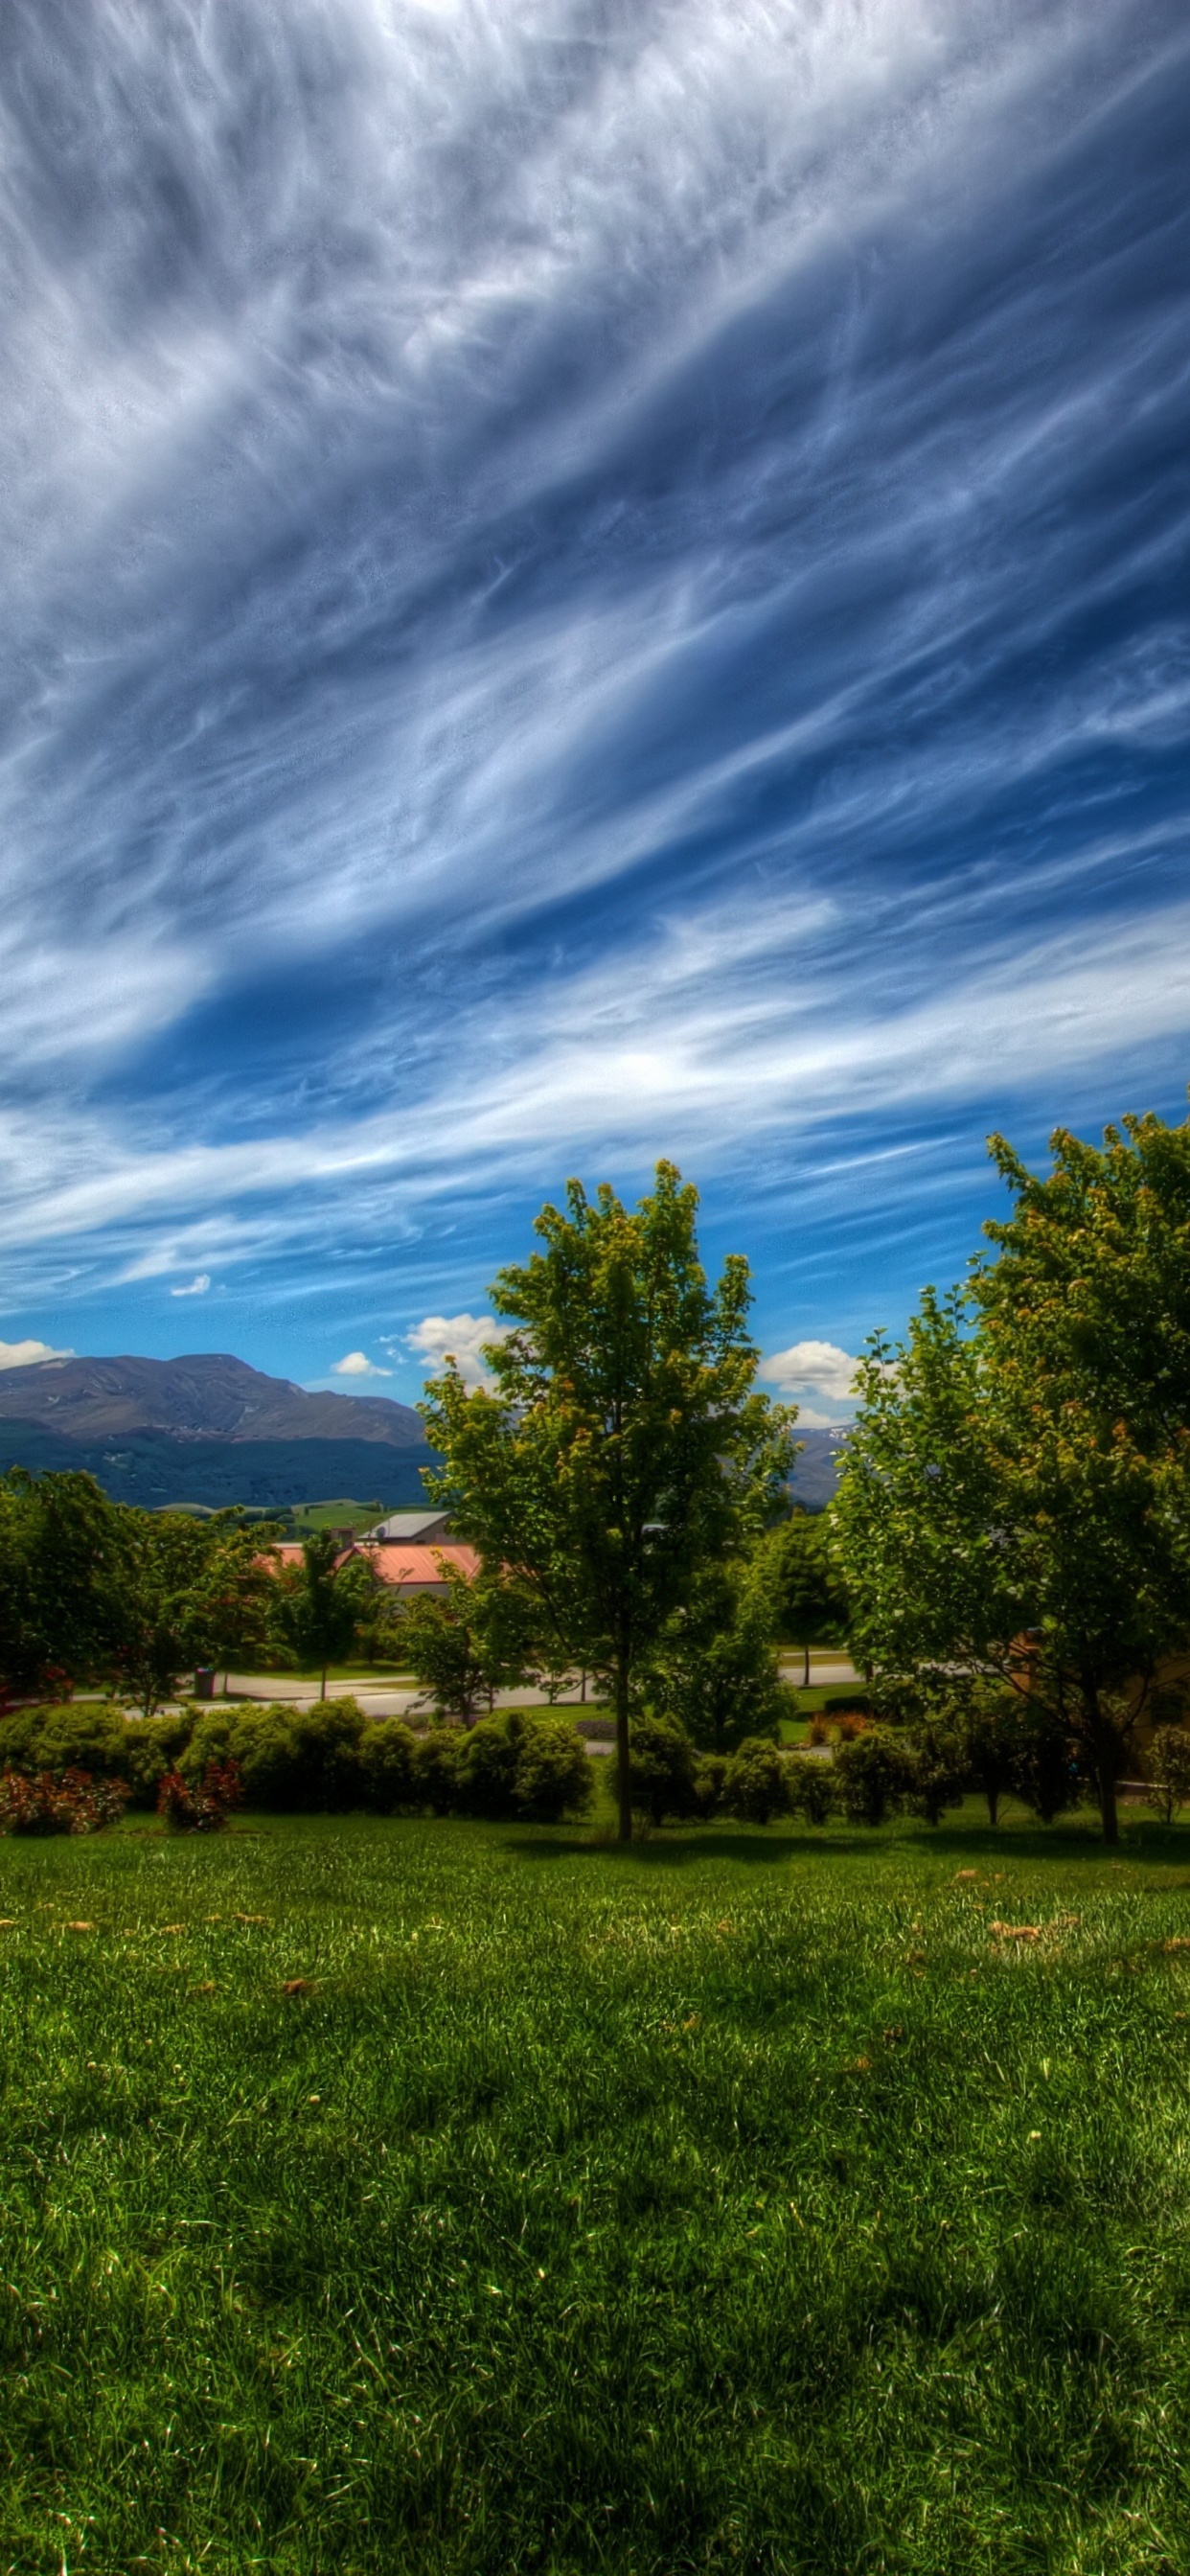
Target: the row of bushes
pixel 325 1760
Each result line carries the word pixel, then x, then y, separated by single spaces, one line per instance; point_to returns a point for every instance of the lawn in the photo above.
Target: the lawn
pixel 410 2196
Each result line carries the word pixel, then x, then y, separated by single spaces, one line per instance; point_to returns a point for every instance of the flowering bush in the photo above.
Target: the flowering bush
pixel 200 1807
pixel 74 1803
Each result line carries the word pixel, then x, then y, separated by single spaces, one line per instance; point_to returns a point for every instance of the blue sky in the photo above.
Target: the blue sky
pixel 583 579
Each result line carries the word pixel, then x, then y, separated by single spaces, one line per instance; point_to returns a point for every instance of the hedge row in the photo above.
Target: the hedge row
pixel 325 1760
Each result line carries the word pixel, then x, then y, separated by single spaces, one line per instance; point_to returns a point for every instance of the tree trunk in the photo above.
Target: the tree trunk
pixel 993 1799
pixel 322 1692
pixel 1105 1751
pixel 623 1785
pixel 806 1668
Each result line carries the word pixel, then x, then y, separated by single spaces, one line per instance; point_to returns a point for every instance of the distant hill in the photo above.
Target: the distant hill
pixel 816 1471
pixel 208 1429
pixel 208 1396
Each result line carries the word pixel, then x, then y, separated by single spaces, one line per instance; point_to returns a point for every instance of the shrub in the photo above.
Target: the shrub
pixel 811 1789
pixel 710 1772
pixel 201 1809
pixel 554 1776
pixel 435 1769
pixel 292 1760
pixel 661 1769
pixel 754 1783
pixel 938 1771
pixel 1169 1771
pixel 874 1775
pixel 818 1732
pixel 485 1770
pixel 71 1804
pixel 1046 1772
pixel 64 1738
pixel 850 1723
pixel 388 1763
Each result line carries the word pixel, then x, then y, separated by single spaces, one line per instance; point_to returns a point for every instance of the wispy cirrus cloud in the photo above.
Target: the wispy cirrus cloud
pixel 578 583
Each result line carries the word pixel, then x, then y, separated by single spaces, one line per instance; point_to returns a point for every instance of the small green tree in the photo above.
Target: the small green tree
pixel 714 1667
pixel 623 1448
pixel 318 1604
pixel 806 1582
pixel 468 1643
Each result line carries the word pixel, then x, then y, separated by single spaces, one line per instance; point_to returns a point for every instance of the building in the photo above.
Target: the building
pixel 408 1529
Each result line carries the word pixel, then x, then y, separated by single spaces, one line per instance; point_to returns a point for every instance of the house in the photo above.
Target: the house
pixel 410 1570
pixel 408 1529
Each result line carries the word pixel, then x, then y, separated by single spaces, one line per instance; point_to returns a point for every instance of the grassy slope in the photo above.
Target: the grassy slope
pixel 741 2202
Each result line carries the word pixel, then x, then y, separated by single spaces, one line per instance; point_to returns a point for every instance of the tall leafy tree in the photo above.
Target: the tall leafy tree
pixel 623 1447
pixel 1015 1496
pixel 63 1578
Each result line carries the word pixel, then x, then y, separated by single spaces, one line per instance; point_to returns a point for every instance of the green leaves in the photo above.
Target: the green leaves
pixel 1016 1492
pixel 621 1448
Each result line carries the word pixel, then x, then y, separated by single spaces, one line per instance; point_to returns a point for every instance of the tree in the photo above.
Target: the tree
pixel 1013 1498
pixel 476 1641
pixel 622 1449
pixel 1169 1771
pixel 808 1588
pixel 63 1572
pixel 318 1604
pixel 715 1666
pixel 166 1564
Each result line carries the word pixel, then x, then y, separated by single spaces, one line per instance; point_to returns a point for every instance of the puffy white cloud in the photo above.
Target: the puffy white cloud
pixel 357 1364
pixel 821 1366
pixel 459 1337
pixel 198 1287
pixel 27 1354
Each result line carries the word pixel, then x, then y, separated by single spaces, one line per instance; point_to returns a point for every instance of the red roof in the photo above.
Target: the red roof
pixel 414 1568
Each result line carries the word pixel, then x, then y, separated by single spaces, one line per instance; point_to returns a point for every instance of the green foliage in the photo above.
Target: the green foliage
pixel 804 1577
pixel 938 1769
pixel 554 1773
pixel 661 1769
pixel 714 1668
pixel 1168 1766
pixel 388 1764
pixel 436 1769
pixel 754 1784
pixel 874 1773
pixel 318 1605
pixel 466 1646
pixel 193 1591
pixel 62 1574
pixel 623 1449
pixel 710 1772
pixel 291 1760
pixel 811 1789
pixel 1015 1493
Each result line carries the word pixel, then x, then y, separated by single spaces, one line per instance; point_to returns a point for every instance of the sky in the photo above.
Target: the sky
pixel 582 580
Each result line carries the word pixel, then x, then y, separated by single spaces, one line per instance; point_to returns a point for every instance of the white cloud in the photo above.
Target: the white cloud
pixel 819 1365
pixel 197 1288
pixel 357 1364
pixel 27 1354
pixel 458 1337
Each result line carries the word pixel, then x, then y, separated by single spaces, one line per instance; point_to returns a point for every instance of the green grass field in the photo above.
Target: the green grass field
pixel 743 2201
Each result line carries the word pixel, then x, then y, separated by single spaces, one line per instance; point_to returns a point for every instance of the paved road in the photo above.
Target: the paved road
pixel 402 1699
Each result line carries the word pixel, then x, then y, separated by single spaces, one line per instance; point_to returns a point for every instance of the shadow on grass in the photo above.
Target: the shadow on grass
pixel 969 1844
pixel 674 1850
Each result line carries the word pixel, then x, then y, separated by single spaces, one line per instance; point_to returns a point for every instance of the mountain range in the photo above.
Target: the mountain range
pixel 209 1429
